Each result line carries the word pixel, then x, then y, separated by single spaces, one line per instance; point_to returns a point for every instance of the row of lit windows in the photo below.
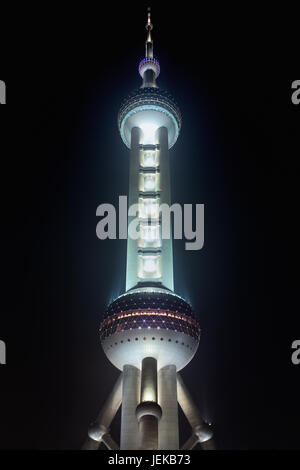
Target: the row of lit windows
pixel 149 265
pixel 106 332
pixel 151 313
pixel 153 339
pixel 177 325
pixel 158 325
pixel 162 303
pixel 149 234
pixel 122 326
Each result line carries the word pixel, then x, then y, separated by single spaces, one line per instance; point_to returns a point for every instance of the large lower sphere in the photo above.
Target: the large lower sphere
pixel 149 324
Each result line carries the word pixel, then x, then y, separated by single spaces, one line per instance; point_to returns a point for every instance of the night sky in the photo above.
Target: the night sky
pixel 61 156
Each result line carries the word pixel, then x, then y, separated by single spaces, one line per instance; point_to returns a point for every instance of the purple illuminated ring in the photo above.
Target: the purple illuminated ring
pixel 149 64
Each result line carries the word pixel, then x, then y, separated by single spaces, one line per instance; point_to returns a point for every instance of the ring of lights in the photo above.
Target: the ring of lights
pixel 149 63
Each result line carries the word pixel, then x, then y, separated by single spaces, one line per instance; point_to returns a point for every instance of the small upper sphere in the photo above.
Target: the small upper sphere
pixel 142 324
pixel 149 108
pixel 149 63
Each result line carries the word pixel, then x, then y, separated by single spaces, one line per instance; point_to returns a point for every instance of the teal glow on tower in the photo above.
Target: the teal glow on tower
pixel 149 333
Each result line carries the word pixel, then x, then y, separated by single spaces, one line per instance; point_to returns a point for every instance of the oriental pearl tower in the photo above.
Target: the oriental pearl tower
pixel 149 332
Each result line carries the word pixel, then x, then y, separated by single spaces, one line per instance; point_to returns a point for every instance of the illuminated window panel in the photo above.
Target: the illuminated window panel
pixel 148 208
pixel 149 182
pixel 149 266
pixel 149 159
pixel 148 133
pixel 149 236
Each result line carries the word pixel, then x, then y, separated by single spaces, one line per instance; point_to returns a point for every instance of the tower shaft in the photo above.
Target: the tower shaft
pixel 149 258
pixel 148 412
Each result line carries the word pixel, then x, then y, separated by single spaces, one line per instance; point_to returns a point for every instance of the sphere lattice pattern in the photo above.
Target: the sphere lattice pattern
pixel 159 324
pixel 149 106
pixel 164 301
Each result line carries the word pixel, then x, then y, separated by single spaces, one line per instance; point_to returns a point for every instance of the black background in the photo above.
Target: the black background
pixel 230 70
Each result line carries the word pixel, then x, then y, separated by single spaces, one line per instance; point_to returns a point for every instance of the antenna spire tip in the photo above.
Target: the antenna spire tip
pixel 149 25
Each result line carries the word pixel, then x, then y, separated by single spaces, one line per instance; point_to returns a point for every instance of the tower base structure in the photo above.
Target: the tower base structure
pixel 149 416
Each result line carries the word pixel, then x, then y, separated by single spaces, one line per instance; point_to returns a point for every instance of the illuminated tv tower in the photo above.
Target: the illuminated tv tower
pixel 149 333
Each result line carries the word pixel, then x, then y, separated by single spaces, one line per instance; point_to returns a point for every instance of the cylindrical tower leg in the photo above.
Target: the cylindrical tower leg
pixel 168 433
pixel 106 415
pixel 90 444
pixel 208 445
pixel 187 404
pixel 109 442
pixel 190 443
pixel 148 411
pixel 130 400
pixel 111 405
pixel 199 428
pixel 149 380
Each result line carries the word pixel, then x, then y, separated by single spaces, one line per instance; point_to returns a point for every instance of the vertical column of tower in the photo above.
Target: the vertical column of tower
pixel 148 411
pixel 165 198
pixel 132 259
pixel 149 259
pixel 168 431
pixel 149 250
pixel 130 400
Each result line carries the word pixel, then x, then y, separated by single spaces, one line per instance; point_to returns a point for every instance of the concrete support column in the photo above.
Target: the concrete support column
pixel 149 380
pixel 187 404
pixel 208 445
pixel 168 432
pixel 90 444
pixel 107 413
pixel 190 443
pixel 130 400
pixel 200 429
pixel 111 405
pixel 99 435
pixel 109 442
pixel 194 440
pixel 148 412
pixel 134 165
pixel 165 198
